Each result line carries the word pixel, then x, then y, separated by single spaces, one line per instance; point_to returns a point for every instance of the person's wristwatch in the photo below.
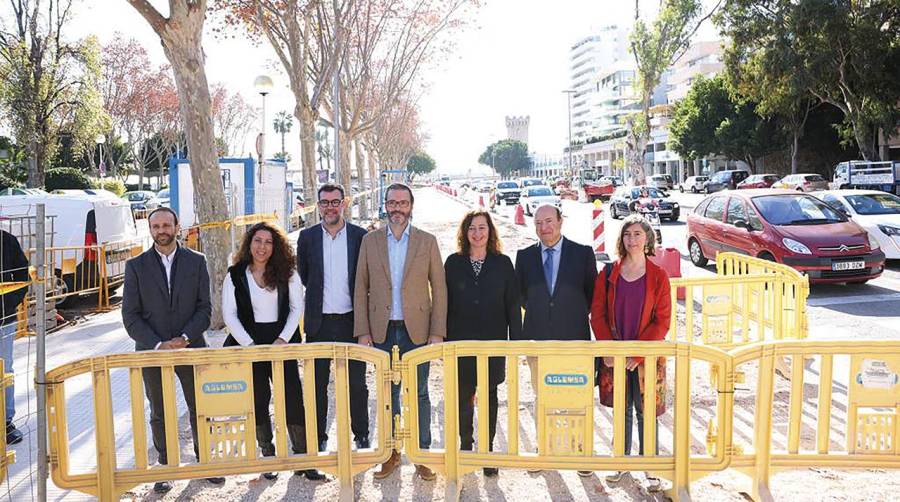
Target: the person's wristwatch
pixel 186 339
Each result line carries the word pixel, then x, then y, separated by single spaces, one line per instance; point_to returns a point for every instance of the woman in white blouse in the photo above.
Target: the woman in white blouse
pixel 262 301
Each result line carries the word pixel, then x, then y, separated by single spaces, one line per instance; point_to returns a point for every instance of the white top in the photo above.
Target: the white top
pixel 265 307
pixel 336 274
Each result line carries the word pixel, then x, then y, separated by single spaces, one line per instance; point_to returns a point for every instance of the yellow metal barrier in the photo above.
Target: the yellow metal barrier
pixel 859 375
pixel 225 416
pixel 790 299
pixel 6 457
pixel 732 311
pixel 564 410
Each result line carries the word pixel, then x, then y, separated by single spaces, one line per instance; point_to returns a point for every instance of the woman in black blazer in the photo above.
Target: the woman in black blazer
pixel 482 304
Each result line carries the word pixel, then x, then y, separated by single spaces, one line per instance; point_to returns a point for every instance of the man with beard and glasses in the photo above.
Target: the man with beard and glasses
pixel 165 306
pixel 401 299
pixel 327 254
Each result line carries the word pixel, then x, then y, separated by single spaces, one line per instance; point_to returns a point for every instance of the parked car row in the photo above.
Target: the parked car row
pixel 840 236
pixel 146 199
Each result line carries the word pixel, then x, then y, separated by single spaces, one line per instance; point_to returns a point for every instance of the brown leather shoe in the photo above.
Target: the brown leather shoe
pixel 390 466
pixel 424 472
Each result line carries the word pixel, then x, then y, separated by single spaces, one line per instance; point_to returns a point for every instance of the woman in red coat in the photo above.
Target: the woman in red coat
pixel 632 302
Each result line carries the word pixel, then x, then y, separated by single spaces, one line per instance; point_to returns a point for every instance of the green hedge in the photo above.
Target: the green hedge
pixel 65 178
pixel 6 182
pixel 113 185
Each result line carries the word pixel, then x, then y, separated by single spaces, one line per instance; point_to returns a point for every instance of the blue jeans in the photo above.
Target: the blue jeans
pixel 634 399
pixel 7 337
pixel 400 337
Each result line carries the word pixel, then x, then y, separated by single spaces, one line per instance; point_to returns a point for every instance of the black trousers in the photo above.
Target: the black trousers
pixel 340 329
pixel 265 334
pixel 153 389
pixel 466 383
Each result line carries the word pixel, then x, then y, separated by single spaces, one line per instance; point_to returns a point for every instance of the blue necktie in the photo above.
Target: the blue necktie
pixel 548 268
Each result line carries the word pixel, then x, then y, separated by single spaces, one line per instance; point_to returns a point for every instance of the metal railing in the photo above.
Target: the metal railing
pixel 6 457
pixel 225 416
pixel 565 408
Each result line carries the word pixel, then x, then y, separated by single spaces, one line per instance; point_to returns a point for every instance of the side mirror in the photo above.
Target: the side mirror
pixel 742 224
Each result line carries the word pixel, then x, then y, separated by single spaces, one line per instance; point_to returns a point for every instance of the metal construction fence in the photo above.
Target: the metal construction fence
pixel 839 410
pixel 6 457
pixel 223 382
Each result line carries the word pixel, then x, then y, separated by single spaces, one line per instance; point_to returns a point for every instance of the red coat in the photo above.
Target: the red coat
pixel 655 316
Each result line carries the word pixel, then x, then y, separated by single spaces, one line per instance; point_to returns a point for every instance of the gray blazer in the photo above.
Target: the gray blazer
pixel 151 315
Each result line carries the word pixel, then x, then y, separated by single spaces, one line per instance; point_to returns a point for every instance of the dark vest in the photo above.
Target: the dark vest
pixel 265 336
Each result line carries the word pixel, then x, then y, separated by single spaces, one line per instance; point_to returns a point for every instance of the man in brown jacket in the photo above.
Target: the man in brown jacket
pixel 400 299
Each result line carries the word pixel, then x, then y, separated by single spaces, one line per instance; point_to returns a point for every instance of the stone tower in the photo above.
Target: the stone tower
pixel 517 128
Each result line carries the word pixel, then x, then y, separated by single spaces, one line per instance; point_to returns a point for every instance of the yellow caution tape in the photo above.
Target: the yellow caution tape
pixel 9 287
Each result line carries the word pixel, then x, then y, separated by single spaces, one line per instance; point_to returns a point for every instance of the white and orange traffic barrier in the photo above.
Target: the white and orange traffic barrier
pixel 599 237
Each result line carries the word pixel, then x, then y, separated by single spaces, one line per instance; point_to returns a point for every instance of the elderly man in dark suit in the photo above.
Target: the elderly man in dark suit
pixel 327 254
pixel 556 277
pixel 165 306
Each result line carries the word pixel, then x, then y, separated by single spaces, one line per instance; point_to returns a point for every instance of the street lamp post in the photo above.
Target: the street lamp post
pixel 263 85
pixel 101 167
pixel 568 93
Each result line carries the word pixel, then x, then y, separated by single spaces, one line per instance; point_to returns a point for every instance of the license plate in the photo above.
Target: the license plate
pixel 665 211
pixel 848 265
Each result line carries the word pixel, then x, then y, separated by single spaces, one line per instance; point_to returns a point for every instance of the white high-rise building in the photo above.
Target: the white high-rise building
pixel 587 58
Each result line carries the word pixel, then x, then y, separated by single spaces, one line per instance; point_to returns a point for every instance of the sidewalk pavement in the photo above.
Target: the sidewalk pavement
pixel 99 335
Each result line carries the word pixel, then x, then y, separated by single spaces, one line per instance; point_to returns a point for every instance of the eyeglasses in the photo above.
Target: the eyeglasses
pixel 397 203
pixel 333 203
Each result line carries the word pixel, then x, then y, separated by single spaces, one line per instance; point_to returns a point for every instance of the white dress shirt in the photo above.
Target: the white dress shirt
pixel 265 307
pixel 167 262
pixel 336 273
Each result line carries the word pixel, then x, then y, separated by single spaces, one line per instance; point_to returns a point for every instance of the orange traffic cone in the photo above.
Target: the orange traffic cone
pixel 520 215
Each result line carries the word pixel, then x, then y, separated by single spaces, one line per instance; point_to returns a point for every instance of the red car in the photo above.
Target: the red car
pixel 758 181
pixel 786 227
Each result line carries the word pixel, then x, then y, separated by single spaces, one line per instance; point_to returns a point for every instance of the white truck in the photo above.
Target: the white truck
pixel 861 174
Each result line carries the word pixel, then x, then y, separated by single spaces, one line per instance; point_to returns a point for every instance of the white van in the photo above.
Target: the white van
pixel 82 220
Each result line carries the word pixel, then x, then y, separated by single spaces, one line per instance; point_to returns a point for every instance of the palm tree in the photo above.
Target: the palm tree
pixel 282 124
pixel 324 147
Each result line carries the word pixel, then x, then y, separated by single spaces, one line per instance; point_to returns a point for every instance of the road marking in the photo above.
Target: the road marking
pixel 835 300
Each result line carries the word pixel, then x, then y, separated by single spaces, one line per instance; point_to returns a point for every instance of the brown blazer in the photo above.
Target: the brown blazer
pixel 424 288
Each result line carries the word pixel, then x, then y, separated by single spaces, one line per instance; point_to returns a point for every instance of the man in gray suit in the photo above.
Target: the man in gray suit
pixel 165 306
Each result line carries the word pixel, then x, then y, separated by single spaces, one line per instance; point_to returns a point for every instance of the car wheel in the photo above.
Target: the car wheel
pixel 768 257
pixel 693 189
pixel 696 253
pixel 613 212
pixel 681 188
pixel 707 191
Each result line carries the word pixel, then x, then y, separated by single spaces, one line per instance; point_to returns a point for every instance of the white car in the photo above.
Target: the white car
pixel 877 212
pixel 693 184
pixel 536 196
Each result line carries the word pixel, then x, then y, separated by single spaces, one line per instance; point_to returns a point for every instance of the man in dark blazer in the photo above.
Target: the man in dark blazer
pixel 327 254
pixel 557 277
pixel 165 306
pixel 557 294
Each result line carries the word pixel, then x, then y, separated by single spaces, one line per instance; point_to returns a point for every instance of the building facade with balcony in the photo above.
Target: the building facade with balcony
pixel 587 58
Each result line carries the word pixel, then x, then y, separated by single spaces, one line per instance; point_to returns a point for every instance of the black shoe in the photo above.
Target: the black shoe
pixel 362 442
pixel 271 476
pixel 311 474
pixel 216 481
pixel 13 435
pixel 490 472
pixel 162 487
pixel 323 446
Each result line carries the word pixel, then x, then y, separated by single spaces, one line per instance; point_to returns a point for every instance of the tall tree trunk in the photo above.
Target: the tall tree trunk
pixel 343 177
pixel 795 150
pixel 361 178
pixel 374 178
pixel 307 125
